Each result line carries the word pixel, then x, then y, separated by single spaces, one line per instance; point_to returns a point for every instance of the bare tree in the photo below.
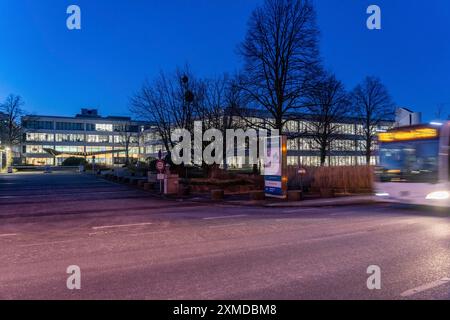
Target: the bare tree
pixel 329 105
pixel 168 102
pixel 373 105
pixel 148 104
pixel 219 103
pixel 219 106
pixel 281 56
pixel 11 130
pixel 129 135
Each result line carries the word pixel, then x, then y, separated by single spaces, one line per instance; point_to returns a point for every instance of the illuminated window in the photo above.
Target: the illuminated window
pixel 104 127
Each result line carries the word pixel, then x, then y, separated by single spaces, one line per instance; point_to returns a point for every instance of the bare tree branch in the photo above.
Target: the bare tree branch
pixel 11 131
pixel 373 105
pixel 281 57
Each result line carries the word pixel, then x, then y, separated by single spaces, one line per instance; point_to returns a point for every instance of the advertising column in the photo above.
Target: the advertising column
pixel 275 167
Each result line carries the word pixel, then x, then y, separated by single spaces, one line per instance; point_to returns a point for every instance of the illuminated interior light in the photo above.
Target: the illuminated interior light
pixel 407 135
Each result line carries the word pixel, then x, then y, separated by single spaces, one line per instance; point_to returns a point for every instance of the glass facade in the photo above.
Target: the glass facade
pixel 70 126
pixel 77 137
pixel 38 125
pixel 69 137
pixel 39 137
pixel 97 135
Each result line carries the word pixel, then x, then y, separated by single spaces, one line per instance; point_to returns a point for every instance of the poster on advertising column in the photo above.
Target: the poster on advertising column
pixel 275 167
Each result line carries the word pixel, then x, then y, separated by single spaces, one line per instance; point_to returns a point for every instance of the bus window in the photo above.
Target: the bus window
pixel 411 161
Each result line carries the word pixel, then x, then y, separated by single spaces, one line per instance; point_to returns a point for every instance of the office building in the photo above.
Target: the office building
pixel 49 140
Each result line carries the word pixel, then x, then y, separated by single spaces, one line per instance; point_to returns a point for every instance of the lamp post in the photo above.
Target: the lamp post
pixel 188 98
pixel 8 159
pixel 1 160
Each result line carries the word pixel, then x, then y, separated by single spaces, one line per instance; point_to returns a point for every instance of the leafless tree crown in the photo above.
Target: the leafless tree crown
pixel 11 130
pixel 373 105
pixel 281 56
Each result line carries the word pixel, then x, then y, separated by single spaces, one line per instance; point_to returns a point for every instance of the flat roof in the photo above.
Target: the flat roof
pixel 84 118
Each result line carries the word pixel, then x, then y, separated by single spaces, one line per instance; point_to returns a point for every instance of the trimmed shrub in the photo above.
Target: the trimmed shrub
pixel 74 161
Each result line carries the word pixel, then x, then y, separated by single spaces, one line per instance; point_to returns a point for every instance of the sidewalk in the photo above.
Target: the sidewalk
pixel 338 201
pixel 242 200
pixel 318 202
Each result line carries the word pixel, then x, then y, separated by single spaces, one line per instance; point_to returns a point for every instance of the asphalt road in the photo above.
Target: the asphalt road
pixel 129 245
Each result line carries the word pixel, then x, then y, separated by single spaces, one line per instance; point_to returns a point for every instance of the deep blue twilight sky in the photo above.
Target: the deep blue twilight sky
pixel 123 42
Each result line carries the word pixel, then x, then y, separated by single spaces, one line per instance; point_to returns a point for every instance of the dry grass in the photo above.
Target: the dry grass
pixel 349 179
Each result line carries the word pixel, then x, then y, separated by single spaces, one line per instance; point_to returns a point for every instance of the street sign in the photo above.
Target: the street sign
pixel 160 176
pixel 160 165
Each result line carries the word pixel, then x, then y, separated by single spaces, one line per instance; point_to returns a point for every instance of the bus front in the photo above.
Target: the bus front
pixel 414 165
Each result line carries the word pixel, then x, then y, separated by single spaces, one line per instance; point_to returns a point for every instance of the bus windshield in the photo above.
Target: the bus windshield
pixel 409 161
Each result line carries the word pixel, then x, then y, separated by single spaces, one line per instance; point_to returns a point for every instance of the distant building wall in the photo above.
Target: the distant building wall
pixel 405 117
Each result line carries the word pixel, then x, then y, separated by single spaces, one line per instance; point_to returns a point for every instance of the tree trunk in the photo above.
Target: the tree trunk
pixel 323 155
pixel 368 154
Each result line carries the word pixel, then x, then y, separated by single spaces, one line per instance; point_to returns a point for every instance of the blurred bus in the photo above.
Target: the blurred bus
pixel 414 165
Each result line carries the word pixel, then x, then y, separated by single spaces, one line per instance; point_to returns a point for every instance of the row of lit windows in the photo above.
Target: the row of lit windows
pixel 39 137
pixel 312 161
pixel 79 126
pixel 154 149
pixel 105 160
pixel 40 149
pixel 48 137
pixel 337 128
pixel 309 144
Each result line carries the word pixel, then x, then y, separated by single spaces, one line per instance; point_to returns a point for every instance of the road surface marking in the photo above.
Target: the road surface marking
pixel 300 210
pixel 302 220
pixel 149 233
pixel 227 225
pixel 226 217
pixel 122 226
pixel 8 235
pixel 425 287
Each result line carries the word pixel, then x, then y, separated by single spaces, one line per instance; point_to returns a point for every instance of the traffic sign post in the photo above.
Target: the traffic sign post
pixel 160 165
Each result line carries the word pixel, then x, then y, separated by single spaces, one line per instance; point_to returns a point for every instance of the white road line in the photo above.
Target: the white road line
pixel 122 226
pixel 150 233
pixel 306 210
pixel 227 225
pixel 425 287
pixel 226 217
pixel 8 235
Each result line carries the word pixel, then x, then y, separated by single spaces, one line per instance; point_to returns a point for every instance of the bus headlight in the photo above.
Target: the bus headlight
pixel 438 195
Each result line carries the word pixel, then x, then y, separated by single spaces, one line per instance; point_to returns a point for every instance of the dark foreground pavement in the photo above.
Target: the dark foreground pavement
pixel 131 246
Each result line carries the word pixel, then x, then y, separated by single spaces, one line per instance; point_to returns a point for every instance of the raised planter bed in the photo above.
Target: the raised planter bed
pixel 257 195
pixel 295 195
pixel 217 194
pixel 327 193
